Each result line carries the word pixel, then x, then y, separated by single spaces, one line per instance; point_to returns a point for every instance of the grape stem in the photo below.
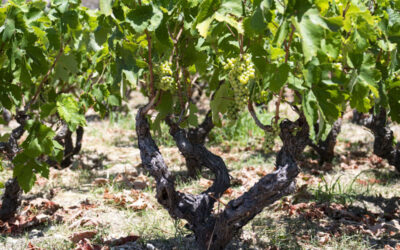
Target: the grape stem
pixel 287 48
pixel 346 9
pixel 255 118
pixel 229 28
pixel 175 41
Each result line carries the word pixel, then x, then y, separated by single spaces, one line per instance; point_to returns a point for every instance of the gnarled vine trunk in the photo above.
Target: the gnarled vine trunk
pixel 11 199
pixel 7 116
pixel 384 145
pixel 196 136
pixel 64 137
pixel 216 230
pixel 326 148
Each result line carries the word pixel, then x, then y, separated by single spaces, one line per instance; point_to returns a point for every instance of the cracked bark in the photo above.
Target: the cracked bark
pixel 7 116
pixel 384 139
pixel 64 137
pixel 11 199
pixel 215 230
pixel 361 118
pixel 326 148
pixel 384 146
pixel 196 136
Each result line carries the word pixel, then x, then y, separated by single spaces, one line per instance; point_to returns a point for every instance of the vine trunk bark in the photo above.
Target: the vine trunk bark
pixel 11 199
pixel 326 148
pixel 196 136
pixel 215 229
pixel 64 137
pixel 384 141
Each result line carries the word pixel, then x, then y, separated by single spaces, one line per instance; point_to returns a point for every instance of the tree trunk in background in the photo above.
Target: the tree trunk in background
pixel 384 144
pixel 326 148
pixel 384 141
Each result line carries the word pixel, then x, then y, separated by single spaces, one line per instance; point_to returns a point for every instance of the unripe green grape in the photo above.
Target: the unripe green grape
pixel 240 72
pixel 269 140
pixel 167 82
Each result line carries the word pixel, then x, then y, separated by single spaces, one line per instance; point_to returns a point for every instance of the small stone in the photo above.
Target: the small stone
pixel 150 246
pixel 139 185
pixel 35 234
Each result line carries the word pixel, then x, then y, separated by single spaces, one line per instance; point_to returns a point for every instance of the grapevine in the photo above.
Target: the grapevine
pixel 59 60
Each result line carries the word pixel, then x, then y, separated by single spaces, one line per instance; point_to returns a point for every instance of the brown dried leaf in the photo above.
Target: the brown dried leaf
pixel 100 181
pixel 76 237
pixel 85 221
pixel 122 240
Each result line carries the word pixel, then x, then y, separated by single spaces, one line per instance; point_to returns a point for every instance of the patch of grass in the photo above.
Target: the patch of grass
pixel 163 138
pixel 256 159
pixel 243 132
pixel 124 121
pixel 337 191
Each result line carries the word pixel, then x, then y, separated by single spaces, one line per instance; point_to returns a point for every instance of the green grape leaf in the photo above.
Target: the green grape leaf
pixel 282 33
pixel 114 100
pixel 221 102
pixel 193 119
pixel 311 28
pixel 231 7
pixel 23 171
pixel 279 77
pixel 394 101
pixel 363 81
pixel 207 9
pixel 5 137
pixel 66 66
pixel 310 110
pixel 257 22
pixel 68 109
pixel 47 110
pixel 106 7
pixel 145 17
pixel 9 29
pixel 204 26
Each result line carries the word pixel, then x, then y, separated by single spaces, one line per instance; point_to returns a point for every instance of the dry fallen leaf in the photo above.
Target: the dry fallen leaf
pixel 85 221
pixel 100 181
pixel 122 240
pixel 76 237
pixel 323 238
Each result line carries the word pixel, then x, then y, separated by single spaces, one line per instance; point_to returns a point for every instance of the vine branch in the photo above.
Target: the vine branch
pixel 287 48
pixel 33 100
pixel 255 118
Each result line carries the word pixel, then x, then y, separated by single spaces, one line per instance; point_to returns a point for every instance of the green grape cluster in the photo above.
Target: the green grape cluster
pixel 240 72
pixel 262 96
pixel 166 82
pixel 269 140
